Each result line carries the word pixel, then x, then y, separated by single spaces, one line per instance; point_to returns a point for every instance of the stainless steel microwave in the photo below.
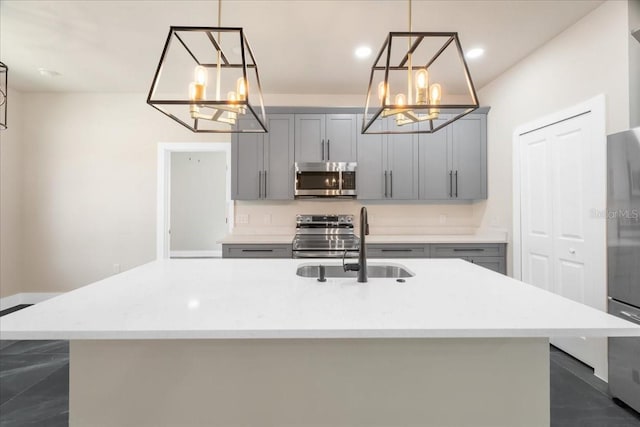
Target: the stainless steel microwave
pixel 325 179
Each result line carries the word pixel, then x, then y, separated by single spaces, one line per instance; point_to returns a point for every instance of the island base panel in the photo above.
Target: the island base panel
pixel 333 382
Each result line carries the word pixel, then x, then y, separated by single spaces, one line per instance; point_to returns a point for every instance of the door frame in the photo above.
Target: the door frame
pixel 595 105
pixel 163 210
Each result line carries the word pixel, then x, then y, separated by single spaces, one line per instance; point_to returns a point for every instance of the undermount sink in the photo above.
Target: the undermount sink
pixel 393 271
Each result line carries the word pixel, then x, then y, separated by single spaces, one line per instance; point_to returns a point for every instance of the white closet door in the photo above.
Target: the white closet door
pixel 536 213
pixel 561 248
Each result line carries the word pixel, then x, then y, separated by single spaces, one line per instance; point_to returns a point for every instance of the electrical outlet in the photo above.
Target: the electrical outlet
pixel 116 268
pixel 443 219
pixel 242 219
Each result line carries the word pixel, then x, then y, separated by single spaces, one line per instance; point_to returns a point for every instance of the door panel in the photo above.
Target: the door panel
pixel 536 187
pixel 402 163
pixel 247 158
pixel 371 167
pixel 467 152
pixel 540 271
pixel 310 138
pixel 278 161
pixel 435 164
pixel 341 138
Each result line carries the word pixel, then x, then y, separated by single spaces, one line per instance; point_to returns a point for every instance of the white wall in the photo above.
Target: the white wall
pixel 198 200
pixel 90 186
pixel 587 59
pixel 11 198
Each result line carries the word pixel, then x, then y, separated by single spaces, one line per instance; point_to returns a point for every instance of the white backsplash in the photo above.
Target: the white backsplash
pixel 278 217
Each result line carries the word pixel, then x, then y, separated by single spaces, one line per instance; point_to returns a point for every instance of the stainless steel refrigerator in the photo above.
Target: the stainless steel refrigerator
pixel 623 241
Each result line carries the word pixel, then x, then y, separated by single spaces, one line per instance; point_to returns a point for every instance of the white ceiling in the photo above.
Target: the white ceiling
pixel 303 46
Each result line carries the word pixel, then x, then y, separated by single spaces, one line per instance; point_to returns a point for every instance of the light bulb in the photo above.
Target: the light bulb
pixel 231 96
pixel 192 91
pixel 422 84
pixel 435 93
pixel 401 99
pixel 241 89
pixel 200 75
pixel 382 91
pixel 422 79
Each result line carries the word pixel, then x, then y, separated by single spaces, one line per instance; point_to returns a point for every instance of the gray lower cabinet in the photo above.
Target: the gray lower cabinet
pixel 257 251
pixel 488 255
pixel 325 137
pixel 263 163
pixel 387 166
pixel 453 160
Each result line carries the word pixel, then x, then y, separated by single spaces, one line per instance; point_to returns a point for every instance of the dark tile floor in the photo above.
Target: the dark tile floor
pixel 34 389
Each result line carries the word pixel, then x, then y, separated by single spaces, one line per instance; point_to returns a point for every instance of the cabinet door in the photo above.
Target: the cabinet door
pixel 436 176
pixel 310 145
pixel 496 264
pixel 247 161
pixel 278 157
pixel 341 137
pixel 402 164
pixel 370 173
pixel 469 157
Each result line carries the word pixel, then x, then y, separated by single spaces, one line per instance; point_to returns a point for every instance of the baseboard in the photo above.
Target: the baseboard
pixel 26 298
pixel 195 254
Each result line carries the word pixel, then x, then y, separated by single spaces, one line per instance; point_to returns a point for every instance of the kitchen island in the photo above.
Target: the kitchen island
pixel 240 342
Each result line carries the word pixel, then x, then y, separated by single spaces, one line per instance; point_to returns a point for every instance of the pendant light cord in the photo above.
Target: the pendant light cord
pixel 219 51
pixel 410 70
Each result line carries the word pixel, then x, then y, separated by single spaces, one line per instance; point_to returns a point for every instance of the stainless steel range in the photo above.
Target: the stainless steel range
pixel 324 236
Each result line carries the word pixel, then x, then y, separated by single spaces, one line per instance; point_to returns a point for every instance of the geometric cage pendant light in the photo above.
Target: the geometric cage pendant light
pixel 419 83
pixel 207 80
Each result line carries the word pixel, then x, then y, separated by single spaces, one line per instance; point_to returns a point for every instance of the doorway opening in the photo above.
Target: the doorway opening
pixel 194 199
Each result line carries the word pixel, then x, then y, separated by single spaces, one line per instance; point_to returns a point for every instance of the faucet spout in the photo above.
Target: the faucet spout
pixel 362 254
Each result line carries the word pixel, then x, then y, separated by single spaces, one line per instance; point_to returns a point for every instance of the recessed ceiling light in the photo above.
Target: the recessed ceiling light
pixel 48 73
pixel 475 53
pixel 363 52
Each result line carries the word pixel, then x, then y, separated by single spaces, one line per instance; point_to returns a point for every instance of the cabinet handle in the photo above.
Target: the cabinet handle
pixel 468 250
pixel 322 149
pixel 396 250
pixel 391 184
pixel 259 184
pixel 256 250
pixel 328 149
pixel 265 185
pixel 456 184
pixel 450 183
pixel 385 184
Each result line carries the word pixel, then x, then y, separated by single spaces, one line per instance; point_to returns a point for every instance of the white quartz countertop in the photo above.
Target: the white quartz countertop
pixel 248 298
pixel 374 238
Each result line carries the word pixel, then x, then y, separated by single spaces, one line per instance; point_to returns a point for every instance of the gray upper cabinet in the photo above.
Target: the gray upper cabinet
pixel 453 161
pixel 310 138
pixel 263 163
pixel 325 137
pixel 372 158
pixel 341 136
pixel 469 157
pixel 387 166
pixel 402 166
